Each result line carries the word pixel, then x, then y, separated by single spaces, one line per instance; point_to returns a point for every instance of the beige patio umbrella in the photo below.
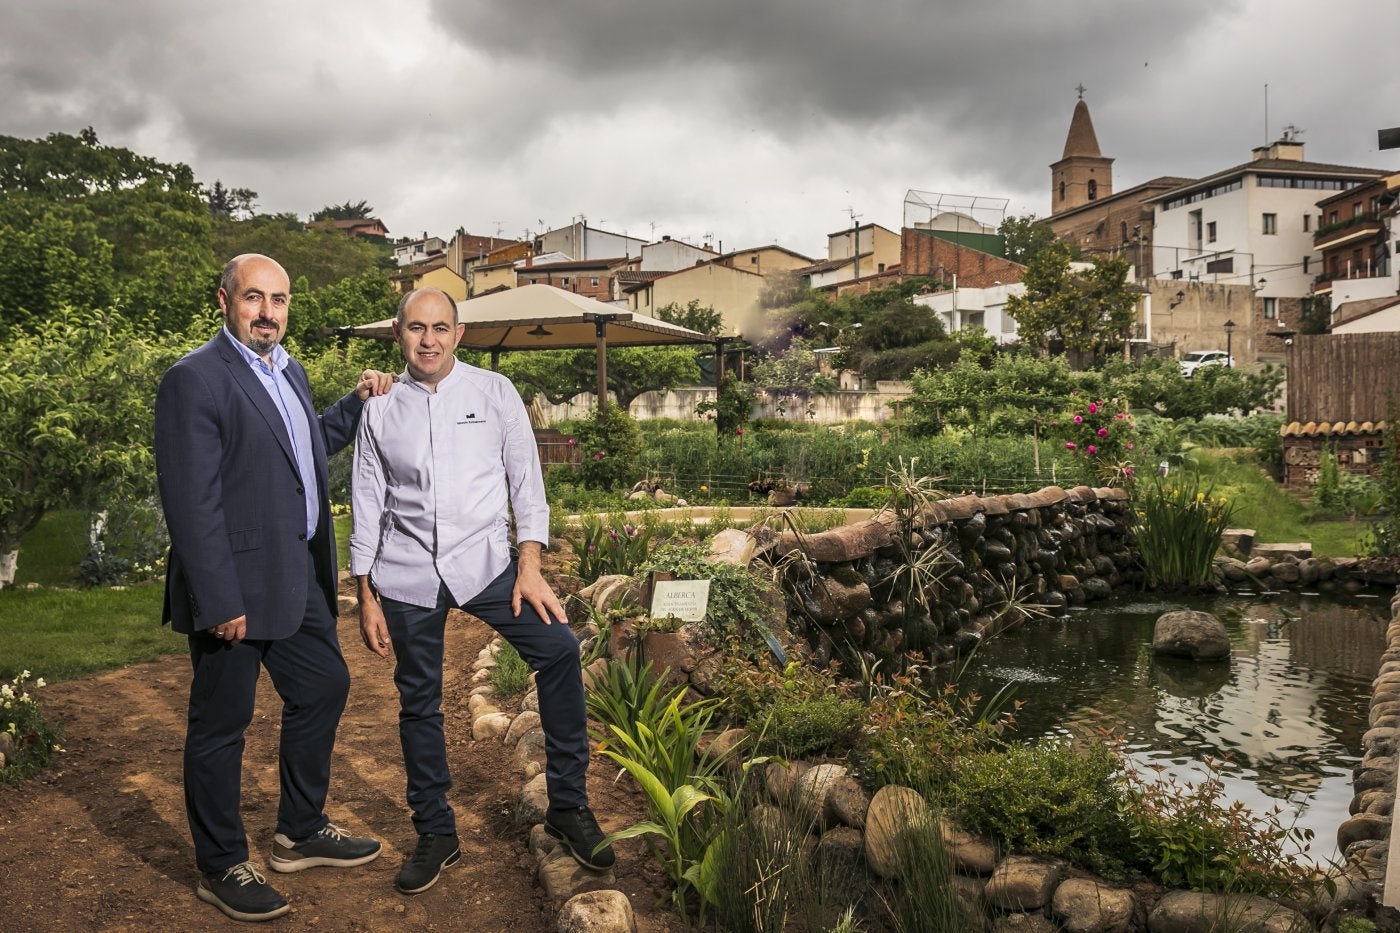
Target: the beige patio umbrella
pixel 542 317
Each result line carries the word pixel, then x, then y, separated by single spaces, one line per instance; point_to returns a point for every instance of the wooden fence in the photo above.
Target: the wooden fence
pixel 1343 377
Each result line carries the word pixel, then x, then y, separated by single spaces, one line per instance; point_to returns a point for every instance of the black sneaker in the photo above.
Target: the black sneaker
pixel 434 853
pixel 331 846
pixel 242 893
pixel 578 831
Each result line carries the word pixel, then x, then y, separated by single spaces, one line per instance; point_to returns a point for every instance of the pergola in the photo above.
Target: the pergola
pixel 542 317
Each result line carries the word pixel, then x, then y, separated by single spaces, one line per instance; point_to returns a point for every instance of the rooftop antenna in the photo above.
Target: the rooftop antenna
pixel 1291 133
pixel 500 227
pixel 653 231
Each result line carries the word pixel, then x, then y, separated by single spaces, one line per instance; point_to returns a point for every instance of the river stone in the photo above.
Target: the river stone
pixel 1285 572
pixel 530 749
pixel 1257 566
pixel 597 912
pixel 779 779
pixel 522 724
pixel 7 745
pixel 837 600
pixel 490 726
pixel 1186 633
pixel 1194 912
pixel 1023 883
pixel 562 877
pixel 1024 923
pixel 810 791
pixel 892 810
pixel 847 802
pixel 531 702
pixel 1097 588
pixel 972 855
pixel 1086 906
pixel 1377 801
pixel 480 704
pixel 1362 826
pixel 534 801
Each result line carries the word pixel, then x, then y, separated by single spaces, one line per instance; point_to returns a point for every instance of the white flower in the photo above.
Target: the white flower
pixel 40 682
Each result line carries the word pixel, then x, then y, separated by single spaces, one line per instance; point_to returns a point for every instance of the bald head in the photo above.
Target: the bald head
pixel 228 280
pixel 426 294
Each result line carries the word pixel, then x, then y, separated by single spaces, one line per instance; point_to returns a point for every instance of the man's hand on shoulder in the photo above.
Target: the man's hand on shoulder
pixel 373 382
pixel 530 587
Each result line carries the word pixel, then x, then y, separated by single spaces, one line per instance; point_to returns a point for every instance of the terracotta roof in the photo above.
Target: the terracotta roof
pixel 1081 140
pixel 1332 429
pixel 633 275
pixel 826 265
pixel 759 249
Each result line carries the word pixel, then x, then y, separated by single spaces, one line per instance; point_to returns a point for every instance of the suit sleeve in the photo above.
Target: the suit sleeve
pixel 338 423
pixel 188 461
pixel 367 500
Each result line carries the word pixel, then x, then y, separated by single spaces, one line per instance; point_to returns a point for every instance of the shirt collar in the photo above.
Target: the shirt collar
pixel 277 359
pixel 457 373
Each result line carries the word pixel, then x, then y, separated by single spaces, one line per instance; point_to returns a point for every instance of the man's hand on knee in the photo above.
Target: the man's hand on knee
pixel 530 587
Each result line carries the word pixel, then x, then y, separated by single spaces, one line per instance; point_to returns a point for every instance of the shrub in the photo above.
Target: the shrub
pixel 1385 536
pixel 1178 531
pixel 1190 839
pixel 798 710
pixel 609 443
pixel 22 718
pixel 1049 798
pixel 511 674
pixel 613 545
pixel 736 608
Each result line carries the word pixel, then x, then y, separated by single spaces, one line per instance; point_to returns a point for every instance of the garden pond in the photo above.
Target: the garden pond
pixel 1282 719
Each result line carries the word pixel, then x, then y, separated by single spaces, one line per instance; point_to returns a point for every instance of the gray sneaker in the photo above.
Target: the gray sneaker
pixel 331 846
pixel 242 893
pixel 433 854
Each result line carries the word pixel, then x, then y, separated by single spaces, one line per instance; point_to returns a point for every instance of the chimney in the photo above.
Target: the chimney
pixel 1283 150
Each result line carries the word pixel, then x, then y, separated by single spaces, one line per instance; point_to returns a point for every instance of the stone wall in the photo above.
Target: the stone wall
pixel 1054 547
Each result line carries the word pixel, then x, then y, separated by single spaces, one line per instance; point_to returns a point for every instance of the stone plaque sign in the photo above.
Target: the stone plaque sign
pixel 684 599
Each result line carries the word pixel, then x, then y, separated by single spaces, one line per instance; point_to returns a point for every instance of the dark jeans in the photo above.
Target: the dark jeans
pixel 309 674
pixel 550 650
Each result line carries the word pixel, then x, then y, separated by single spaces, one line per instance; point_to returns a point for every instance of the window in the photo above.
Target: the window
pixel 595 281
pixel 1356 209
pixel 1305 264
pixel 1307 222
pixel 1270 224
pixel 1197 230
pixel 1123 231
pixel 1270 309
pixel 564 281
pixel 1210 232
pixel 1332 217
pixel 1062 191
pixel 1093 190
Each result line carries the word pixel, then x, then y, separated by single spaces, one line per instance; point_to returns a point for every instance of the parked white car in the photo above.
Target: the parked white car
pixel 1198 358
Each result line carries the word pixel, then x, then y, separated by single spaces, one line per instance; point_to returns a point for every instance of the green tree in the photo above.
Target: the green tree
pixel 1024 237
pixel 76 424
pixel 70 192
pixel 358 210
pixel 1090 312
pixel 1005 398
pixel 324 257
pixel 230 203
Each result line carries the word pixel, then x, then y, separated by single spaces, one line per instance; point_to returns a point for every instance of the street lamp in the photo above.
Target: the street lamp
pixel 1229 331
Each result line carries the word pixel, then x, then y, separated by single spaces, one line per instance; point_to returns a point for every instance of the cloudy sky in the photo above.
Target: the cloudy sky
pixel 750 121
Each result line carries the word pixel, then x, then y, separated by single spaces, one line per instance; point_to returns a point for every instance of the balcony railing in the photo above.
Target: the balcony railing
pixel 1369 222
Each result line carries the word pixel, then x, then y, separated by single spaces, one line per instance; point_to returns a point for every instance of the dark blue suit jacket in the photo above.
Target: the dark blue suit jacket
pixel 233 498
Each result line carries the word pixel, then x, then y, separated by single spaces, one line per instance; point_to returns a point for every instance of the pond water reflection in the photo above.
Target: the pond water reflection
pixel 1283 717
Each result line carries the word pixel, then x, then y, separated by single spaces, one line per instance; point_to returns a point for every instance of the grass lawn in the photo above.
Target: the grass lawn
pixel 63 633
pixel 1276 514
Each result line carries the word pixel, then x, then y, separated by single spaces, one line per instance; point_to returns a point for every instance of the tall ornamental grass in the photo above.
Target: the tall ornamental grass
pixel 1178 530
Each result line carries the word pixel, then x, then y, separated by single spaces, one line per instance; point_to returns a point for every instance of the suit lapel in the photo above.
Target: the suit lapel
pixel 244 376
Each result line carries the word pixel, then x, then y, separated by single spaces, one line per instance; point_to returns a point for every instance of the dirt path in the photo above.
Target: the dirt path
pixel 100 841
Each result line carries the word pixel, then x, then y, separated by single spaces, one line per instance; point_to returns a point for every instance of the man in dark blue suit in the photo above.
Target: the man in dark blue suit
pixel 241 463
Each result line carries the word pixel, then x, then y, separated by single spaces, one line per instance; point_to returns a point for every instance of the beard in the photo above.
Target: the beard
pixel 263 345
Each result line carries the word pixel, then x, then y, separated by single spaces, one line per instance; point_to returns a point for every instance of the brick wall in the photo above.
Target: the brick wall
pixel 923 254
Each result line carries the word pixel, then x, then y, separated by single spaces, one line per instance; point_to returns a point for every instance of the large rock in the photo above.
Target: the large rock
pixel 1086 906
pixel 562 877
pixel 521 725
pixel 847 802
pixel 1023 883
pixel 490 725
pixel 1186 633
pixel 1195 912
pixel 733 546
pixel 811 790
pixel 534 800
pixel 597 912
pixel 892 811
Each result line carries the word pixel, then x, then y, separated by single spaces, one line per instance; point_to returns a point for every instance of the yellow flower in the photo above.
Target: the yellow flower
pixel 1200 497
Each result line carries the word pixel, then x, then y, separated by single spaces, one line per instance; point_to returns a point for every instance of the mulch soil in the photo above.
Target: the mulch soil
pixel 100 842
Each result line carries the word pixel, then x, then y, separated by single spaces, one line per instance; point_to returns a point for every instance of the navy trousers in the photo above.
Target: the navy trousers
pixel 551 651
pixel 309 674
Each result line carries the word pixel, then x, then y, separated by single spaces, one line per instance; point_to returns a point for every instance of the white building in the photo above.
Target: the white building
pixel 407 252
pixel 668 255
pixel 579 241
pixel 1252 224
pixel 957 308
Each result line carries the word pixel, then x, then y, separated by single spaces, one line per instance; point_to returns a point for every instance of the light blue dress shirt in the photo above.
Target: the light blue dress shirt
pixel 294 419
pixel 437 477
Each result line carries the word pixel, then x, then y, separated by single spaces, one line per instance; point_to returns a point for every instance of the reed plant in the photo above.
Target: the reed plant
pixel 1178 530
pixel 610 544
